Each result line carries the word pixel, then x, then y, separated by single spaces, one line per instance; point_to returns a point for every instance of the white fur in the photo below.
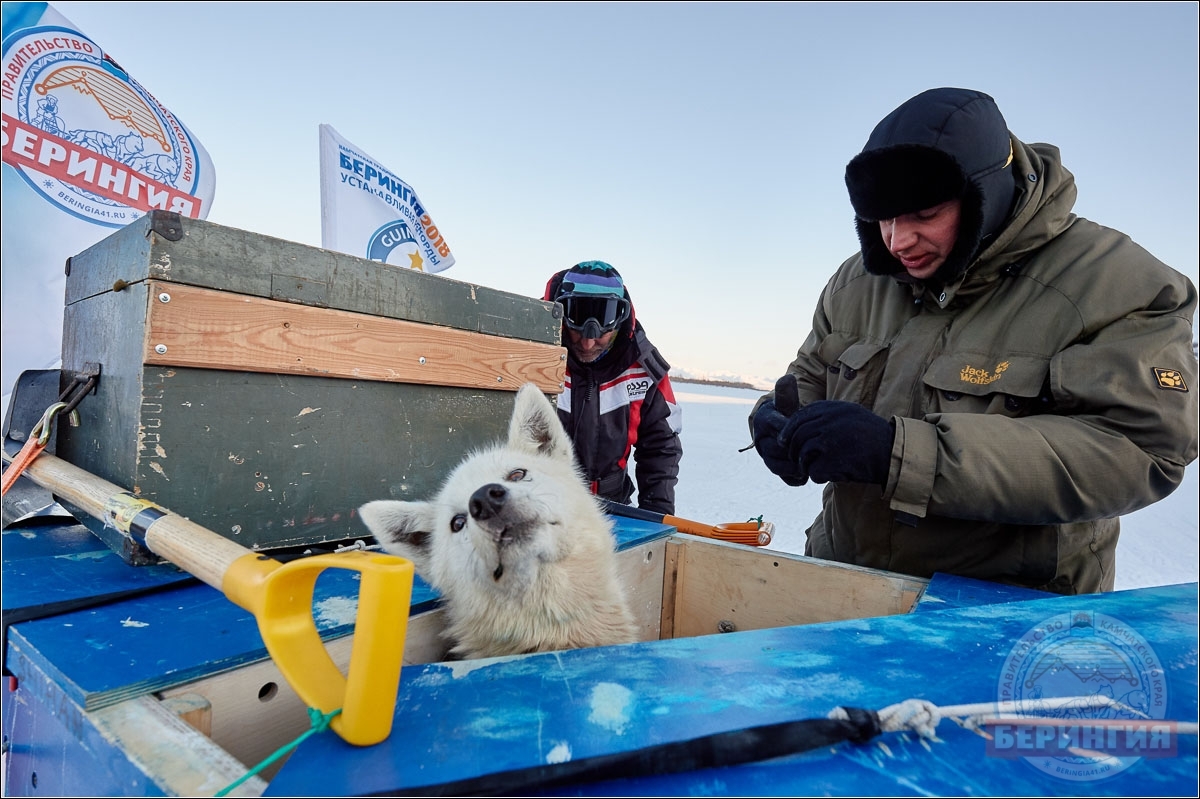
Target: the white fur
pixel 532 568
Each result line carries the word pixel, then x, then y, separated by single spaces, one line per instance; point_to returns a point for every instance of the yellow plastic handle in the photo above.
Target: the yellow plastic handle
pixel 280 597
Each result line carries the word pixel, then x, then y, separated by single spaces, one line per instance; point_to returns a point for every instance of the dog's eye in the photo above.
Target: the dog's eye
pixel 515 475
pixel 458 522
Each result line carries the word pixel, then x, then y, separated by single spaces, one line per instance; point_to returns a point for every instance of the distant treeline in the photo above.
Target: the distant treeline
pixel 728 383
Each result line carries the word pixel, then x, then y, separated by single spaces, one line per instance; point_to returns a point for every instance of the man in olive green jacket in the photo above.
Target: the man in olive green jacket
pixel 992 381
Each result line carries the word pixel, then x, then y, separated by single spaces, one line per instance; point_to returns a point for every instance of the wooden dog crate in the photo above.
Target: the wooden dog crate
pixel 679 586
pixel 237 708
pixel 170 692
pixel 265 389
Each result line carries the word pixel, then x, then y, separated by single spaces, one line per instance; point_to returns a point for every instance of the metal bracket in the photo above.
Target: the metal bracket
pixel 167 224
pixel 33 394
pixel 82 383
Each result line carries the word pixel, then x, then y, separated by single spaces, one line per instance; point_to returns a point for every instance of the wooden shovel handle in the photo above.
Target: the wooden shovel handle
pixel 195 549
pixel 279 596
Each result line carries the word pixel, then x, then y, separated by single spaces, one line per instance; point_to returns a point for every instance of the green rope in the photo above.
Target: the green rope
pixel 758 519
pixel 319 723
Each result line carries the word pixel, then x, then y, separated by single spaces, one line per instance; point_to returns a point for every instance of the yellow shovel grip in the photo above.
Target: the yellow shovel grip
pixel 280 596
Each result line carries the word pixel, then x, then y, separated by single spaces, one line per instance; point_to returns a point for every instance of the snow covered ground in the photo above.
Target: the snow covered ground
pixel 718 484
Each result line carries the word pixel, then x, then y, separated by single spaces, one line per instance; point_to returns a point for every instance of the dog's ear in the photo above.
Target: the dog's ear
pixel 402 528
pixel 535 427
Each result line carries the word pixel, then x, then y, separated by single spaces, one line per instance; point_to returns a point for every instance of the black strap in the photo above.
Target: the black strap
pixel 708 751
pixel 628 511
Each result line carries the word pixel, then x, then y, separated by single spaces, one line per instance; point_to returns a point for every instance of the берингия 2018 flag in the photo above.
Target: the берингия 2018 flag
pixel 369 212
pixel 86 150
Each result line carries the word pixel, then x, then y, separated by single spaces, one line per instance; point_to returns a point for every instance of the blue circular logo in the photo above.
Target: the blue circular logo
pixel 395 244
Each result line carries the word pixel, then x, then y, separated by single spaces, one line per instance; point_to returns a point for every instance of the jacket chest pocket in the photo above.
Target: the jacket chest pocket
pixel 1014 386
pixel 854 370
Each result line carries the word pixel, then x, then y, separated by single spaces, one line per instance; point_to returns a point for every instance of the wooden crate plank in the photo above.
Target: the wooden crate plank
pixel 725 587
pixel 673 574
pixel 208 329
pixel 640 570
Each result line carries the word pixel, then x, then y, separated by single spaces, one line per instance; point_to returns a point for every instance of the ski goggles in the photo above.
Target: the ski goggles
pixel 603 312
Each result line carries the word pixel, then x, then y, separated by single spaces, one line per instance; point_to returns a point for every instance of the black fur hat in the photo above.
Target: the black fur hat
pixel 940 145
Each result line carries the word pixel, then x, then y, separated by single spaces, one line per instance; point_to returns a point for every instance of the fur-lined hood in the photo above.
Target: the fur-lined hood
pixel 941 145
pixel 1036 192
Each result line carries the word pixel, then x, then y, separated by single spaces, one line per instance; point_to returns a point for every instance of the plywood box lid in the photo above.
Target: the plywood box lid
pixel 167 247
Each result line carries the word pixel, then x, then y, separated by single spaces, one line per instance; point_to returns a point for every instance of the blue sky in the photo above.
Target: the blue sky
pixel 698 147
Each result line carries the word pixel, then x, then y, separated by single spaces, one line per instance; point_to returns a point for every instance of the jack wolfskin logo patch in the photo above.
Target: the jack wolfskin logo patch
pixel 982 377
pixel 1169 378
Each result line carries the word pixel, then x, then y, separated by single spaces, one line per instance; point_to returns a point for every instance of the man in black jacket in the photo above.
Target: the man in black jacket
pixel 618 398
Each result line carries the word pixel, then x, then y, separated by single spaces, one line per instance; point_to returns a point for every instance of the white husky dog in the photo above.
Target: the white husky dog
pixel 518 548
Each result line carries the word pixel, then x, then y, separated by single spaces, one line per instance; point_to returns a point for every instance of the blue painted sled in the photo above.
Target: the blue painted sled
pixel 471 719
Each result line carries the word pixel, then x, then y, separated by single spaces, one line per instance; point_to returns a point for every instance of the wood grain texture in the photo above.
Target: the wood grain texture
pixel 178 759
pixel 195 709
pixel 209 329
pixel 749 589
pixel 640 571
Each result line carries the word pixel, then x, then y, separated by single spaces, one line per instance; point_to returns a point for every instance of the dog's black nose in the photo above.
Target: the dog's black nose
pixel 487 501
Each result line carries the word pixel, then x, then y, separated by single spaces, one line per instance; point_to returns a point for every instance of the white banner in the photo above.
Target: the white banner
pixel 86 150
pixel 369 212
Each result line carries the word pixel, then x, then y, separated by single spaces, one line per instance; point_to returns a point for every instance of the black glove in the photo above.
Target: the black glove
pixel 769 421
pixel 839 442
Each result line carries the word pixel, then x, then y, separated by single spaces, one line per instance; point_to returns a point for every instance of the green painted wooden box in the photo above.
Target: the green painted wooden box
pixel 266 389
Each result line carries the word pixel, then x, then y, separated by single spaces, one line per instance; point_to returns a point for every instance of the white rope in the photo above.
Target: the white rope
pixel 922 717
pixel 358 545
